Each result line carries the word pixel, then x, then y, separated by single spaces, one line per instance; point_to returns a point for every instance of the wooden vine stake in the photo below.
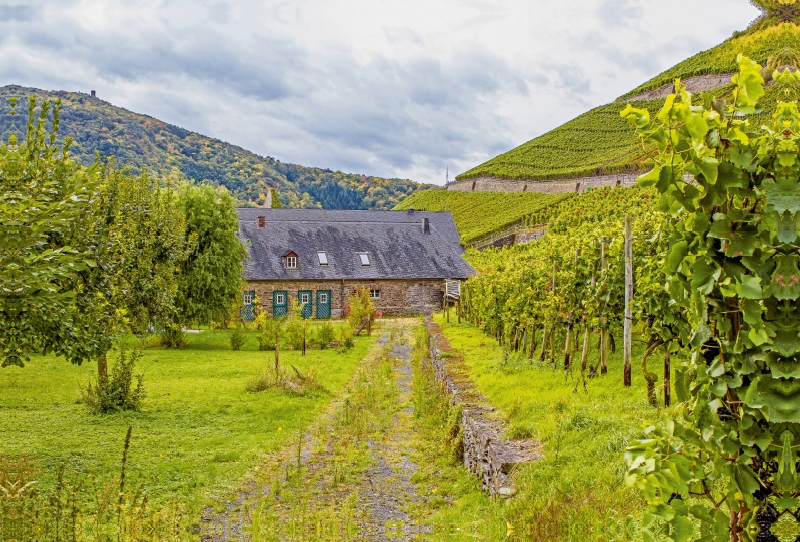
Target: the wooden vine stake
pixel 626 351
pixel 603 319
pixel 667 369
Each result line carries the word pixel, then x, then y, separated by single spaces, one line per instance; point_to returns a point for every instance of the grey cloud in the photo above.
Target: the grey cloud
pixel 619 12
pixel 19 13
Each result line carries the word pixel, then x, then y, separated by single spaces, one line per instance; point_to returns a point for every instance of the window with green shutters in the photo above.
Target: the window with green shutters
pixel 248 311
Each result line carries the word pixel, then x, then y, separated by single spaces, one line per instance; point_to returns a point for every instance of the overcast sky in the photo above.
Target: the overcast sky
pixel 401 88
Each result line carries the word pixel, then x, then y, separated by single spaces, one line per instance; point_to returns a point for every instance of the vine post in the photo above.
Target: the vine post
pixel 603 318
pixel 628 324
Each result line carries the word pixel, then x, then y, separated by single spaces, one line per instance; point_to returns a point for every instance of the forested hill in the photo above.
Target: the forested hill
pixel 138 141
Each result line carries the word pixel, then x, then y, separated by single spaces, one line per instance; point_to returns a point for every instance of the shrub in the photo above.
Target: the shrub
pixel 271 331
pixel 295 327
pixel 360 306
pixel 237 337
pixel 295 382
pixel 118 392
pixel 346 340
pixel 324 335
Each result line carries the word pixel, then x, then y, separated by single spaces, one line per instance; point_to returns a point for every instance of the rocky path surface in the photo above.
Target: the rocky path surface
pixel 350 477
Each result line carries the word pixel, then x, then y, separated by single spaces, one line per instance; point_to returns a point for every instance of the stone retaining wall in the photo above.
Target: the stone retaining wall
pixel 486 454
pixel 554 186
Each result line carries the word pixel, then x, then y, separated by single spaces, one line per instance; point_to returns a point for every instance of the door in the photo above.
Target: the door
pixel 323 304
pixel 249 306
pixel 306 305
pixel 279 303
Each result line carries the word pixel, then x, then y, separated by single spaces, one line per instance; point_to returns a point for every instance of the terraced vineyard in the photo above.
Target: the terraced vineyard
pixel 600 142
pixel 477 214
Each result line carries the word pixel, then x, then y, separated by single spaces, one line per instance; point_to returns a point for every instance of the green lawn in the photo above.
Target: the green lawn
pixel 198 435
pixel 576 492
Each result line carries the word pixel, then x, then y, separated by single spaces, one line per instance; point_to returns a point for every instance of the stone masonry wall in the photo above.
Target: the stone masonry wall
pixel 486 454
pixel 555 186
pixel 398 297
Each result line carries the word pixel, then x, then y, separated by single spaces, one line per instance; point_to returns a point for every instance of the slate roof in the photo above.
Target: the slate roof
pixel 395 241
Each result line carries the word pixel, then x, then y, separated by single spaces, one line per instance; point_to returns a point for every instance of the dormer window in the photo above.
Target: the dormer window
pixel 323 258
pixel 364 259
pixel 290 260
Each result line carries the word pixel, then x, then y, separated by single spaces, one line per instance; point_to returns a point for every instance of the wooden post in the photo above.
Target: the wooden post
pixel 603 319
pixel 369 326
pixel 568 343
pixel 667 376
pixel 304 338
pixel 626 350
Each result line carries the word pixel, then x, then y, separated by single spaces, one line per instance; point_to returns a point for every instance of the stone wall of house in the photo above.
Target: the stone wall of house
pixel 554 186
pixel 397 297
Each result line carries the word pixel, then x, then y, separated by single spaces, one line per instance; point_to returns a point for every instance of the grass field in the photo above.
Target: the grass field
pixel 576 492
pixel 198 435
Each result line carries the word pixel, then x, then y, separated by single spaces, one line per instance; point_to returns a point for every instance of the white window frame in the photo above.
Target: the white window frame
pixel 322 256
pixel 364 259
pixel 280 299
pixel 306 300
pixel 323 298
pixel 247 298
pixel 291 262
pixel 374 294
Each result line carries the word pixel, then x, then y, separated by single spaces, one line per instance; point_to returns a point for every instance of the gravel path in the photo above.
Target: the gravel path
pixel 369 502
pixel 387 489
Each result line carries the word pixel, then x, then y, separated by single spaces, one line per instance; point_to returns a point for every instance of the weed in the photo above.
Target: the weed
pixel 237 338
pixel 118 392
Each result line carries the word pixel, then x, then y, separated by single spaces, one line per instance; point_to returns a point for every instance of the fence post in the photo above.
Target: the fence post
pixel 628 301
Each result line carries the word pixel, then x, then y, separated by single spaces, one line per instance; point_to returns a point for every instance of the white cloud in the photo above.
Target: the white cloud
pixel 389 88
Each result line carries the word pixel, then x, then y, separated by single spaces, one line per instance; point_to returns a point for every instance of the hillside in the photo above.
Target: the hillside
pixel 139 141
pixel 600 142
pixel 478 214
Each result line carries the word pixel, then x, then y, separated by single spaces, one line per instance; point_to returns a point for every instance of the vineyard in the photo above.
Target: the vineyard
pixel 477 214
pixel 600 142
pixel 549 299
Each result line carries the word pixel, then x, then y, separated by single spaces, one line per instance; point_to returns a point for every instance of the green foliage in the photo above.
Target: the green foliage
pixel 169 152
pixel 513 292
pixel 118 392
pixel 727 464
pixel 270 331
pixel 47 239
pixel 359 307
pixel 325 334
pixel 210 277
pixel 477 214
pixel 276 202
pixel 237 337
pixel 295 326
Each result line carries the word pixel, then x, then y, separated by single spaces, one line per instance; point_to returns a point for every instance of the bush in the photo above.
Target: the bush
pixel 295 382
pixel 346 340
pixel 360 306
pixel 119 392
pixel 237 337
pixel 295 328
pixel 324 335
pixel 271 331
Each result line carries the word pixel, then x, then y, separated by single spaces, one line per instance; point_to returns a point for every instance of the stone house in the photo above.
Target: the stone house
pixel 322 257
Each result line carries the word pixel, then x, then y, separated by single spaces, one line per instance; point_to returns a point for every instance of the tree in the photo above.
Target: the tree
pixel 44 226
pixel 728 462
pixel 210 275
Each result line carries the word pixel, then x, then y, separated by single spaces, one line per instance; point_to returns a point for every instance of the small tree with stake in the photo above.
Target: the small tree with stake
pixel 728 463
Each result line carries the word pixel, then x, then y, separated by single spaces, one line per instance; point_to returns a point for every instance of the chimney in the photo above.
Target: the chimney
pixel 410 210
pixel 94 94
pixel 426 226
pixel 262 221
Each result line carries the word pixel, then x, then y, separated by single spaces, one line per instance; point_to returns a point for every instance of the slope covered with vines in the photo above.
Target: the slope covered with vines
pixel 600 142
pixel 477 214
pixel 549 298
